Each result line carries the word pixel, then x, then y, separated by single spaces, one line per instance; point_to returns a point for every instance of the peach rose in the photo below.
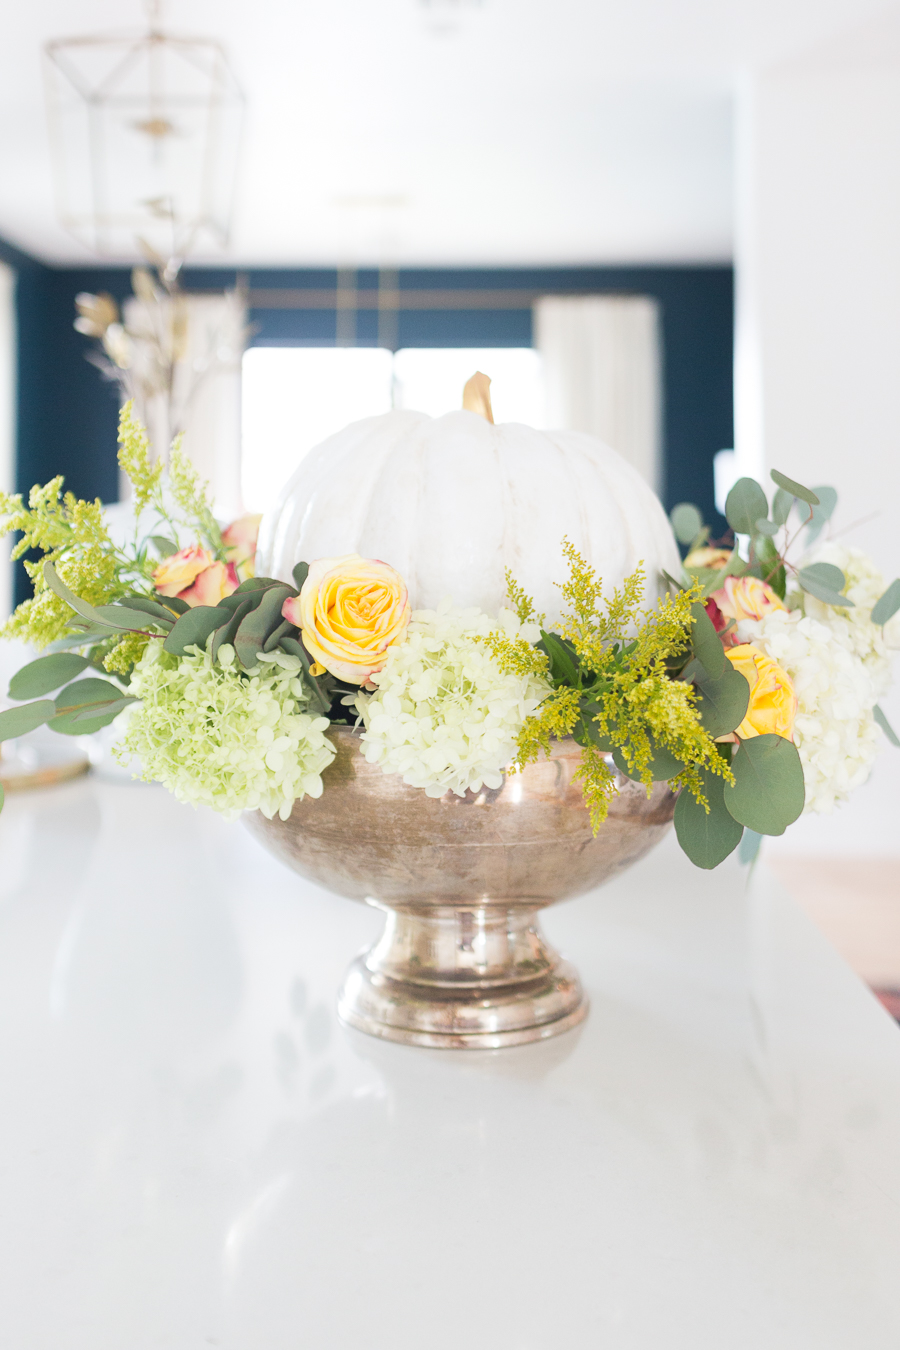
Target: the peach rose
pixel 773 703
pixel 212 585
pixel 351 610
pixel 708 557
pixel 179 569
pixel 746 598
pixel 240 544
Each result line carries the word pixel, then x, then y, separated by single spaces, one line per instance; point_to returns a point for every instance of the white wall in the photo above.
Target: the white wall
pixel 818 321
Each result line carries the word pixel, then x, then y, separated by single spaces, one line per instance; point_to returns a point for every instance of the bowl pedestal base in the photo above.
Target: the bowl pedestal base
pixel 458 977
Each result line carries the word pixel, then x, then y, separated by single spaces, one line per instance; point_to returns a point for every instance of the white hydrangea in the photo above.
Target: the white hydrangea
pixel 834 730
pixel 222 739
pixel 443 715
pixel 853 628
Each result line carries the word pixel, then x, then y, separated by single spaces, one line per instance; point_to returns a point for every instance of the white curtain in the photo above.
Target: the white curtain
pixel 602 370
pixel 7 418
pixel 208 394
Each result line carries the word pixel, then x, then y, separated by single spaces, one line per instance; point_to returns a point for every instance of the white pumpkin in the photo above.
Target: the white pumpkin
pixel 453 501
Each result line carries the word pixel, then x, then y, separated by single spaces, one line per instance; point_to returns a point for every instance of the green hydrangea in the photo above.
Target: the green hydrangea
pixel 215 736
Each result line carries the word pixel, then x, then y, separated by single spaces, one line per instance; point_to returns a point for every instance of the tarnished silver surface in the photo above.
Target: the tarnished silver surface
pixel 462 962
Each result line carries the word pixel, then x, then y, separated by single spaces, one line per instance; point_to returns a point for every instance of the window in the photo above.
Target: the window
pixel 294 397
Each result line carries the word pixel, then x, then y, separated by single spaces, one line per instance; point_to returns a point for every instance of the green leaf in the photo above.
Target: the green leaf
pixel 770 566
pixel 713 581
pixel 886 607
pixel 767 794
pixel 88 636
pixel 822 513
pixel 706 838
pixel 284 629
pixel 86 693
pixel 113 617
pixel 84 724
pixel 744 505
pixel 256 584
pixel 825 582
pixel 885 725
pixel 795 489
pixel 723 703
pixel 663 764
pixel 194 627
pixel 174 602
pixel 563 660
pixel 765 526
pixel 748 851
pixel 687 522
pixel 299 574
pixel 164 547
pixel 319 698
pixel 586 731
pixel 226 634
pixel 259 624
pixel 127 620
pixel 19 721
pixel 46 674
pixel 157 609
pixel 781 506
pixel 112 708
pixel 706 642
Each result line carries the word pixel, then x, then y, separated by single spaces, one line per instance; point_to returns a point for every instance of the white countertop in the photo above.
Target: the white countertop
pixel 194 1153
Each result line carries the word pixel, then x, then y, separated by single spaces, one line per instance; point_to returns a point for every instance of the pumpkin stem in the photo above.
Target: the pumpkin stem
pixel 477 396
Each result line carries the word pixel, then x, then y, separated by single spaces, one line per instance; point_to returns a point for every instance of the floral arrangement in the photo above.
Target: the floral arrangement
pixel 751 687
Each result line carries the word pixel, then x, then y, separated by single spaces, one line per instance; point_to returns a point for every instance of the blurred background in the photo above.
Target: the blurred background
pixel 672 224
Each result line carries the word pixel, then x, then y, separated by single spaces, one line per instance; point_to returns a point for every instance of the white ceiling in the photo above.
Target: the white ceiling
pixel 449 131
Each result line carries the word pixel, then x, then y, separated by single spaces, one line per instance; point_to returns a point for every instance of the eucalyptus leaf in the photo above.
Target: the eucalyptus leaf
pixel 157 609
pixel 87 636
pixel 744 505
pixel 822 513
pixel 663 764
pixel 887 605
pixel 765 526
pixel 226 633
pixel 767 794
pixel 795 489
pixel 769 565
pixel 713 581
pixel 194 627
pixel 128 620
pixel 723 703
pixel 587 732
pixel 748 850
pixel 706 642
pixel 563 660
pixel 781 506
pixel 164 547
pixel 825 582
pixel 112 708
pixel 706 837
pixel 257 584
pixel 84 724
pixel 85 693
pixel 46 674
pixel 319 698
pixel 124 620
pixel 300 574
pixel 885 725
pixel 284 629
pixel 259 624
pixel 19 721
pixel 687 522
pixel 174 602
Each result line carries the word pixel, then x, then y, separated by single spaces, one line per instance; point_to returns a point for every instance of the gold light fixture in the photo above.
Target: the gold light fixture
pixel 145 133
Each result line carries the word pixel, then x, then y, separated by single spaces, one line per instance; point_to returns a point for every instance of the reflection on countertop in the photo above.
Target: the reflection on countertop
pixel 196 1153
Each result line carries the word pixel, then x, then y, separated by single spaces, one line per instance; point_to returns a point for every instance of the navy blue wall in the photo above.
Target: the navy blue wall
pixel 67 412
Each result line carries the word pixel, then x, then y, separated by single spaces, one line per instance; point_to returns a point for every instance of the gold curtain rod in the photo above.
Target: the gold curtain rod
pixel 375 299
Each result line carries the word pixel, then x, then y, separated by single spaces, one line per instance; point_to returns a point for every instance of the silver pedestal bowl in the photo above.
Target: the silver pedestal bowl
pixel 462 962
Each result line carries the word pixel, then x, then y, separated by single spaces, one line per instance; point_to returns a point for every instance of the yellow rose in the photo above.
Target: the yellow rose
pixel 773 703
pixel 708 557
pixel 176 572
pixel 351 610
pixel 746 598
